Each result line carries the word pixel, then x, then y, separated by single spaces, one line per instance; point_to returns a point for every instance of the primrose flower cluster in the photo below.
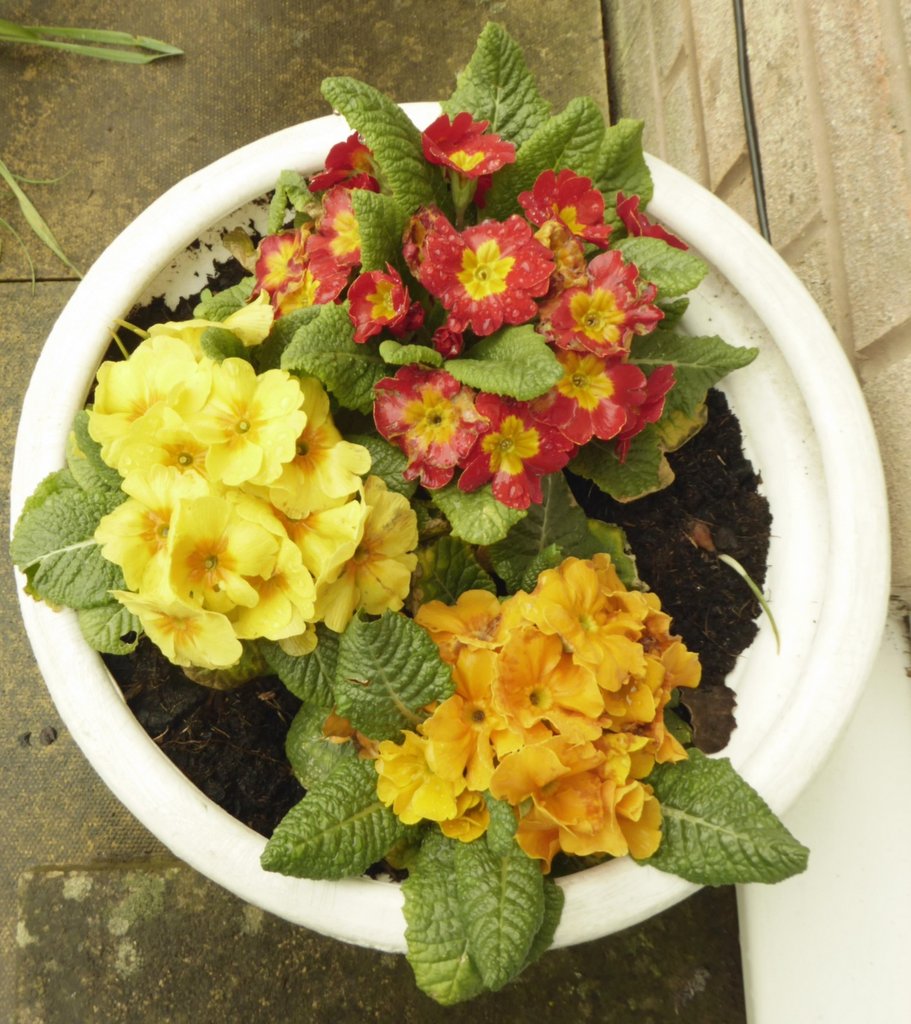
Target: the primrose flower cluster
pixel 558 710
pixel 463 279
pixel 246 513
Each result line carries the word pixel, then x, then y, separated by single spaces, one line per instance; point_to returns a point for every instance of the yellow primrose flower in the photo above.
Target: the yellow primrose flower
pixel 161 438
pixel 325 465
pixel 286 598
pixel 251 423
pixel 538 682
pixel 186 634
pixel 409 786
pixel 250 324
pixel 471 820
pixel 161 370
pixel 378 576
pixel 328 538
pixel 599 627
pixel 214 551
pixel 135 534
pixel 473 621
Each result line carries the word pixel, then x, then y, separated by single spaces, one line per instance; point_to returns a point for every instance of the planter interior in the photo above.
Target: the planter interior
pixel 807 433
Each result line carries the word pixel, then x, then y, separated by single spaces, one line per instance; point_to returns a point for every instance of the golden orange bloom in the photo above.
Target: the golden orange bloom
pixel 473 621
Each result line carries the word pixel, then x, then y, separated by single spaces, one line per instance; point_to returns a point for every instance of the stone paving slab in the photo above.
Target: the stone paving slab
pixel 157 944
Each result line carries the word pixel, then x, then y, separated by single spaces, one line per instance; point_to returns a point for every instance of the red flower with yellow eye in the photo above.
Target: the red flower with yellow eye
pixel 637 223
pixel 656 388
pixel 487 275
pixel 514 451
pixel 431 417
pixel 571 199
pixel 595 397
pixel 348 163
pixel 462 146
pixel 291 279
pixel 380 301
pixel 603 317
pixel 338 236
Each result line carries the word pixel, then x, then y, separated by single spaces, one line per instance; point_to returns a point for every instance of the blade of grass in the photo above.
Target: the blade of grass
pixel 41 35
pixel 34 219
pixel 757 593
pixel 16 235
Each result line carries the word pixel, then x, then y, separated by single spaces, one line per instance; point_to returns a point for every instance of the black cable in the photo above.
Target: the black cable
pixel 749 120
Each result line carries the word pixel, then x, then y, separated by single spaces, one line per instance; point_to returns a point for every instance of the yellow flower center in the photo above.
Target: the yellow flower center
pixel 511 446
pixel 347 234
pixel 484 271
pixel 381 301
pixel 596 315
pixel 466 161
pixel 584 380
pixel 568 215
pixel 432 418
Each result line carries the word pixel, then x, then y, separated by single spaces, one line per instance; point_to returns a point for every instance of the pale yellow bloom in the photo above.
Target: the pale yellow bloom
pixel 214 552
pixel 160 371
pixel 135 534
pixel 409 786
pixel 324 466
pixel 378 576
pixel 250 423
pixel 328 538
pixel 286 599
pixel 186 634
pixel 161 438
pixel 250 324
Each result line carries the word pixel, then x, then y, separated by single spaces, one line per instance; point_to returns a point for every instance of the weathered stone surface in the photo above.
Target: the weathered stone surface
pixel 158 943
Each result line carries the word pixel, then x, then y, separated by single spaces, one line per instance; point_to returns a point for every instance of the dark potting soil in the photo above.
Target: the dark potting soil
pixel 231 744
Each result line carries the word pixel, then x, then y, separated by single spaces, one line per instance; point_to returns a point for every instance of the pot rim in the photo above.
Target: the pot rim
pixel 852 595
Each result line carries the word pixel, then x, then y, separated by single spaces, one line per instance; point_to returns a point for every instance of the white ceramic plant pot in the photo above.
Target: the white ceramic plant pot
pixel 808 434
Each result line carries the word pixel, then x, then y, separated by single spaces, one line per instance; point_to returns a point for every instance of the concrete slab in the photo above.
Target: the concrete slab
pixel 156 943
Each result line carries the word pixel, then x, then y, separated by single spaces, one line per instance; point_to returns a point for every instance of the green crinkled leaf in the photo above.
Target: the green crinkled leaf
pixel 222 304
pixel 435 931
pixel 381 223
pixel 515 361
pixel 557 522
pixel 53 545
pixel 621 166
pixel 717 830
pixel 612 540
pixel 673 270
pixel 325 348
pixel 83 457
pixel 497 86
pixel 218 344
pixel 476 517
pixel 340 828
pixel 387 462
pixel 308 676
pixel 447 569
pixel 387 671
pixel 312 756
pixel 501 830
pixel 553 910
pixel 106 626
pixel 268 354
pixel 673 310
pixel 644 471
pixel 570 139
pixel 396 354
pixel 699 363
pixel 549 558
pixel 394 140
pixel 502 898
pixel 290 188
